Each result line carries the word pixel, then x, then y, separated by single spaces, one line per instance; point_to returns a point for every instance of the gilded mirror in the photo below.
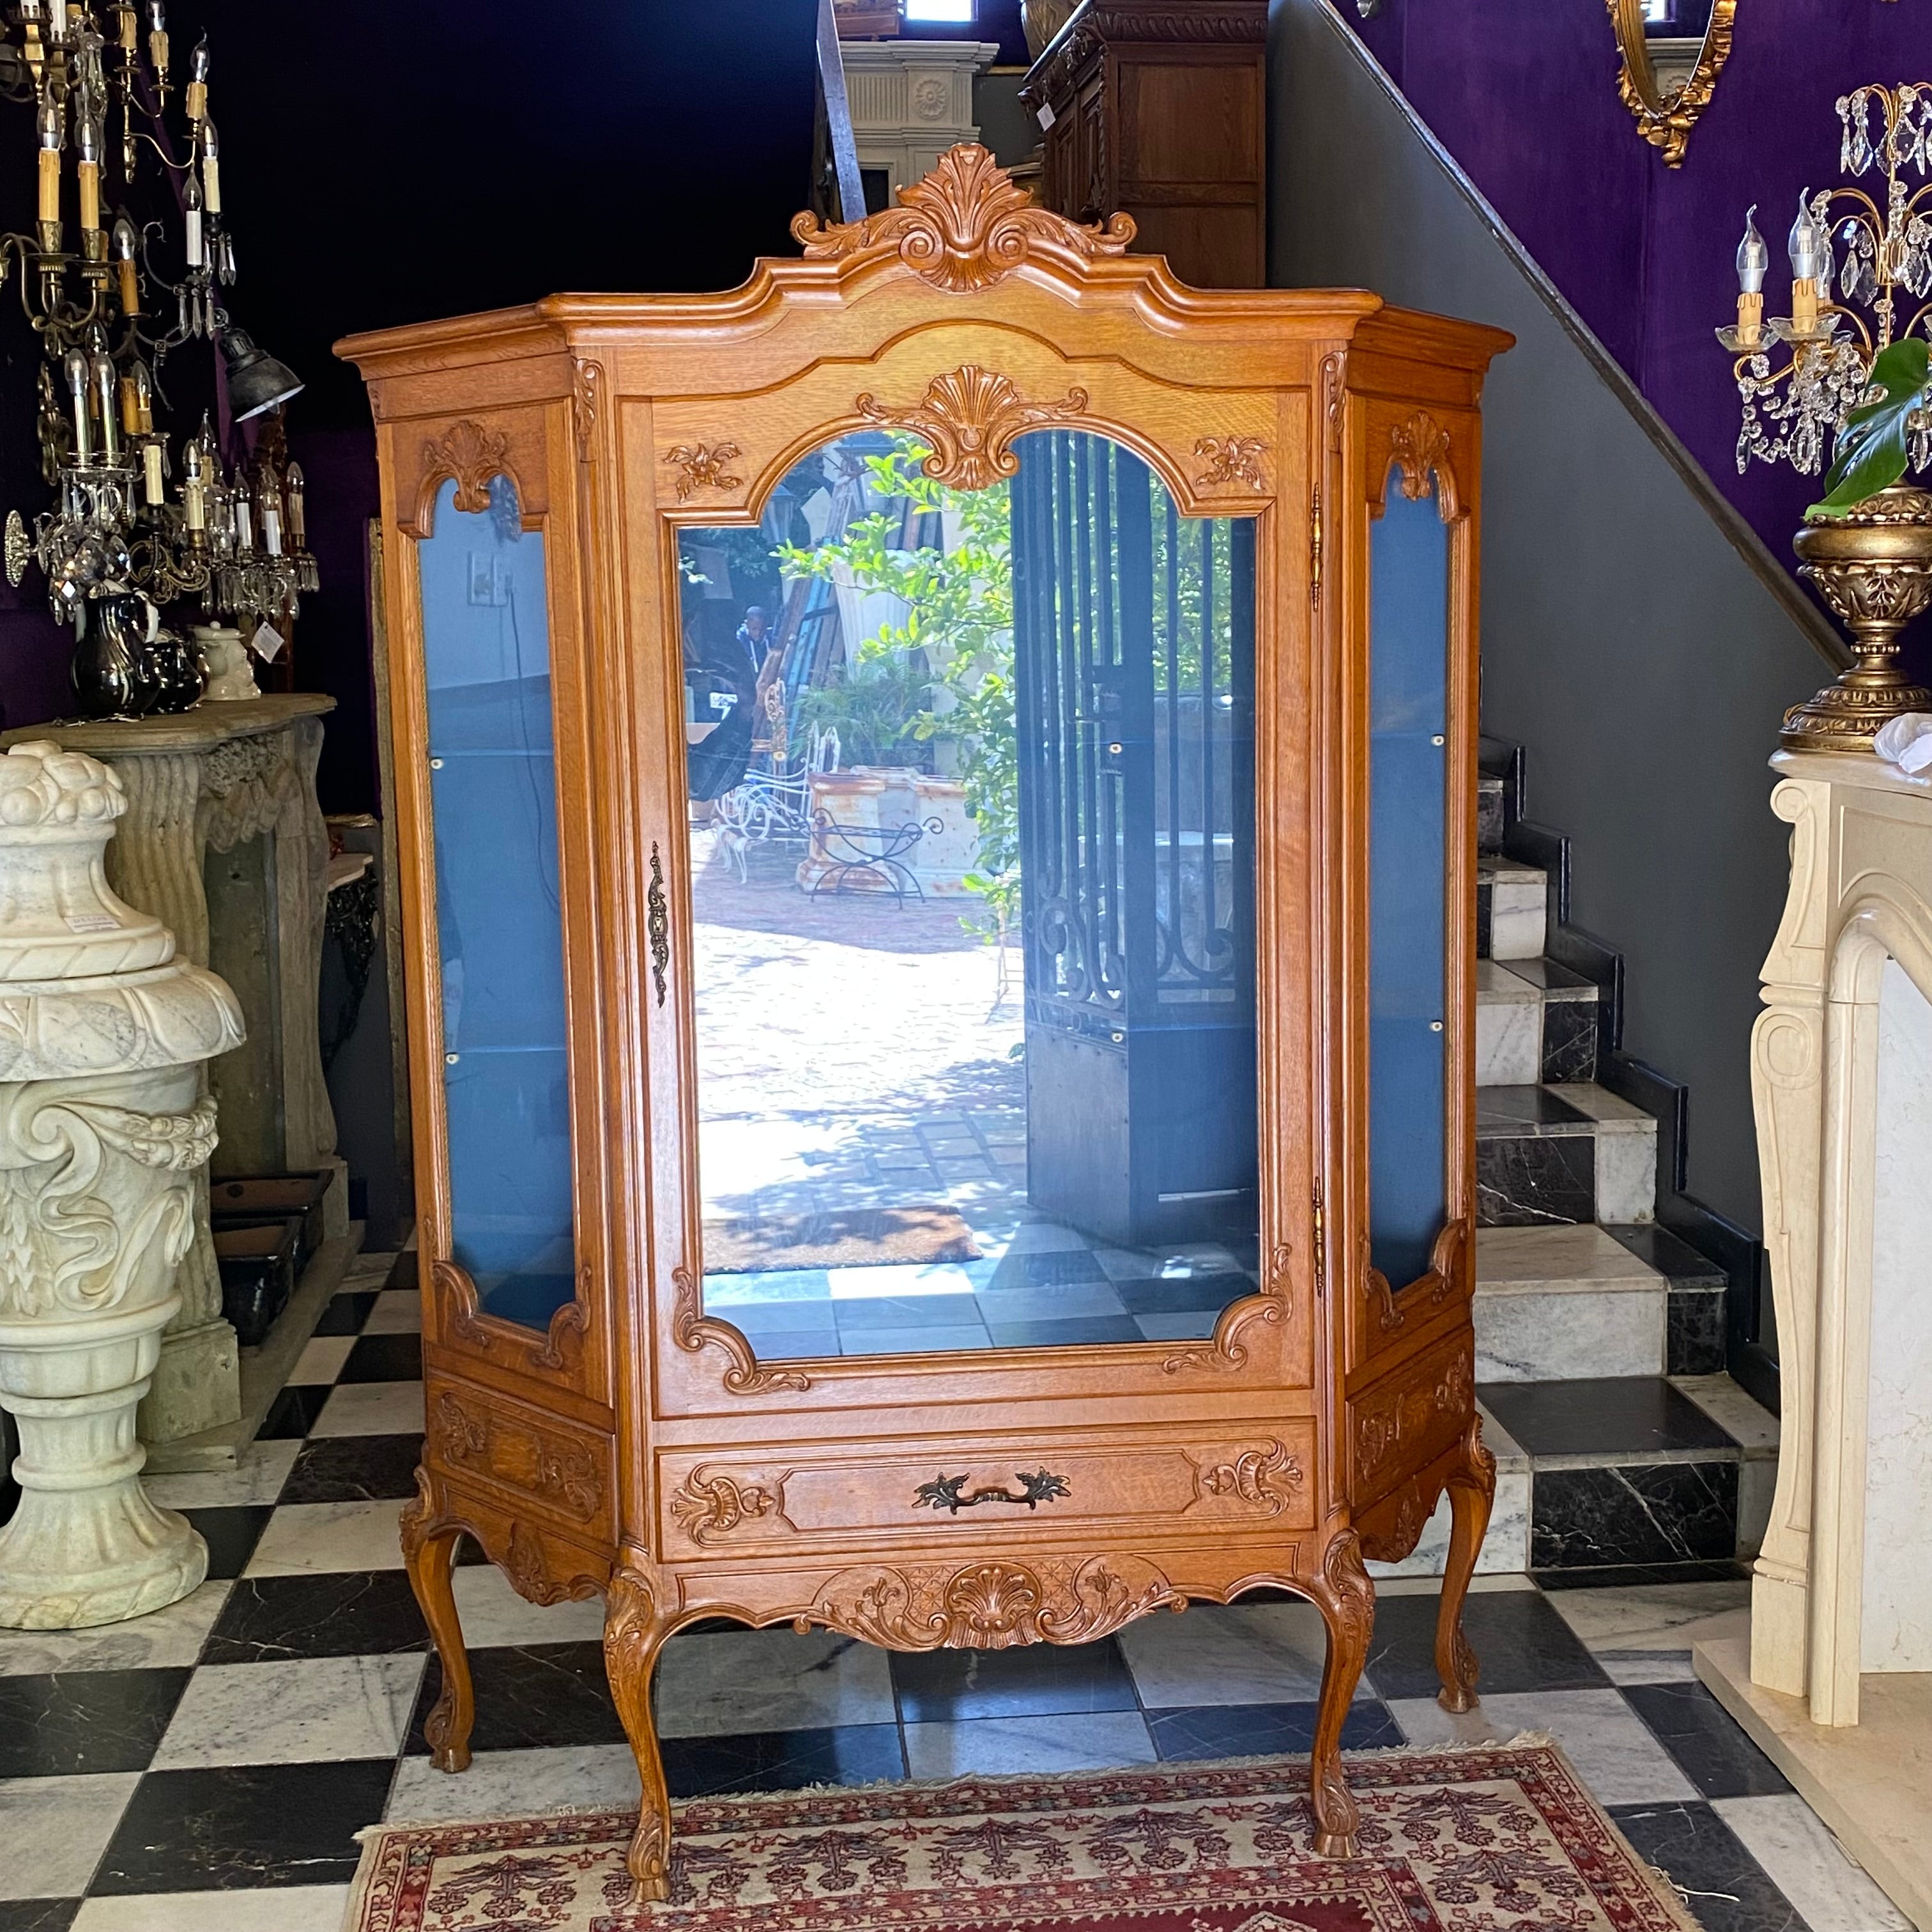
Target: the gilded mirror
pixel 970 778
pixel 1672 52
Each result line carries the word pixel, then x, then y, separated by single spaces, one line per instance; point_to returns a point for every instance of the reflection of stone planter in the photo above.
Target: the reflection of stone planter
pixel 102 1127
pixel 881 799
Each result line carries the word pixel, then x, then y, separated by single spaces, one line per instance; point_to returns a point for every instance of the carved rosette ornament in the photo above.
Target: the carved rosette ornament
pixel 964 226
pixel 969 421
pixel 102 1132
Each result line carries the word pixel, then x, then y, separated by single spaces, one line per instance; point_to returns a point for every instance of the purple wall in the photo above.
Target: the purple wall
pixel 1522 93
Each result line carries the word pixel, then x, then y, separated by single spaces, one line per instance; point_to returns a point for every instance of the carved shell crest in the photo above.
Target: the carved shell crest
pixel 965 227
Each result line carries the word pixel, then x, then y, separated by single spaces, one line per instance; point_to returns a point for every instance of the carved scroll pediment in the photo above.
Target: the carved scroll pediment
pixel 964 226
pixel 969 420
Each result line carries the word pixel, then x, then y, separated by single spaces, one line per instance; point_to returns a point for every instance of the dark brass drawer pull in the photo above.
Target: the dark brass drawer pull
pixel 948 1492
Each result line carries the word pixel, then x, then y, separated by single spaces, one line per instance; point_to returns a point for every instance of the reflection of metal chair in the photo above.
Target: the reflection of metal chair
pixel 877 851
pixel 773 807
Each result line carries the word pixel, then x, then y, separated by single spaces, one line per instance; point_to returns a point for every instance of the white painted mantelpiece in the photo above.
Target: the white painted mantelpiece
pixel 911 99
pixel 1836 1683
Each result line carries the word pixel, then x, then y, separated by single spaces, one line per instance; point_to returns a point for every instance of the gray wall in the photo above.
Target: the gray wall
pixel 1629 643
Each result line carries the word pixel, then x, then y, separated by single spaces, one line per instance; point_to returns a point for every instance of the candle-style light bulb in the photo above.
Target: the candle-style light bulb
pixel 271 515
pixel 57 19
pixel 73 365
pixel 100 372
pixel 211 167
pixel 157 39
pixel 298 507
pixel 194 489
pixel 89 142
pixel 121 245
pixel 244 517
pixel 144 423
pixel 1753 260
pixel 1810 248
pixel 191 207
pixel 195 100
pixel 52 130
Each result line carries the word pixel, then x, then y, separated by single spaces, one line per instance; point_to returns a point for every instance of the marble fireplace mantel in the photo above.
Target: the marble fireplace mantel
pixel 224 842
pixel 1836 1682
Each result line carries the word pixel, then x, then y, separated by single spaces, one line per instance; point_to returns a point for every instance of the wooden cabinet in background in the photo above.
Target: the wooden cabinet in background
pixel 1236 644
pixel 1157 109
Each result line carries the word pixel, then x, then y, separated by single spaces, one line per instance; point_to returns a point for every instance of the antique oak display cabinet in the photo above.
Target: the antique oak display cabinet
pixel 746 650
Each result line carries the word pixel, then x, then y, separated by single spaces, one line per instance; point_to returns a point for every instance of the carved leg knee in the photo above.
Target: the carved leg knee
pixel 429 1554
pixel 1472 1492
pixel 1347 1600
pixel 633 1635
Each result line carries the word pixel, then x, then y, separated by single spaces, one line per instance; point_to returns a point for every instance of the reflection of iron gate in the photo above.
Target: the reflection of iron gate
pixel 1134 636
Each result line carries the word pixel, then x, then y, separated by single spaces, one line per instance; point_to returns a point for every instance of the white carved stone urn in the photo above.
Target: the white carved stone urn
pixel 104 1121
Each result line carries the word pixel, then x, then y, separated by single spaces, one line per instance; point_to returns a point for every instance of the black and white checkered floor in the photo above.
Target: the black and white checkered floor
pixel 207 1767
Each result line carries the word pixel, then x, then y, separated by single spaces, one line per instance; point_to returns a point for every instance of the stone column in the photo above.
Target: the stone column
pixel 224 841
pixel 106 1129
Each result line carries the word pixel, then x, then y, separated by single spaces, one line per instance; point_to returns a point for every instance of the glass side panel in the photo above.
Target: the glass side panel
pixel 1408 661
pixel 972 812
pixel 492 787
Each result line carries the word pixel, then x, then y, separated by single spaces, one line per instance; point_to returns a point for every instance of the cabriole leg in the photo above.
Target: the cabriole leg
pixel 634 1633
pixel 429 1554
pixel 1472 1491
pixel 1346 1599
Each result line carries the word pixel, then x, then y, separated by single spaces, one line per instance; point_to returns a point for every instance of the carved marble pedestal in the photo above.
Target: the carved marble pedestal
pixel 1836 1684
pixel 224 842
pixel 105 1133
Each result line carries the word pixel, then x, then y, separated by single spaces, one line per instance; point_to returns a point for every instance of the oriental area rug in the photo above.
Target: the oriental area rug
pixel 1497 1838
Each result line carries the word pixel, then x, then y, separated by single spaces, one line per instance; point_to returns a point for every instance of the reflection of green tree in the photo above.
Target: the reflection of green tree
pixel 947 667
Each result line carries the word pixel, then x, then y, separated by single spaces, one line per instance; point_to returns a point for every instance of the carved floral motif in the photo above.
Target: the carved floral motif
pixel 991 1605
pixel 1231 459
pixel 1403 1417
pixel 703 465
pixel 1263 1478
pixel 563 1473
pixel 586 384
pixel 708 1506
pixel 964 226
pixel 969 420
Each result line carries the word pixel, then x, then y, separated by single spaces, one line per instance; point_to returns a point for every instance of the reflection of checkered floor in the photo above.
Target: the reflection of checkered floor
pixel 1041 1286
pixel 204 1770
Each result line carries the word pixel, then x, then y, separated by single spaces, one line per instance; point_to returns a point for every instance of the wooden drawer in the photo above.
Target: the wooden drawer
pixel 879 1493
pixel 1418 1411
pixel 539 1464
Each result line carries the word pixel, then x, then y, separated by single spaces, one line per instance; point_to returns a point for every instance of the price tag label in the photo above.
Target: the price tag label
pixel 266 642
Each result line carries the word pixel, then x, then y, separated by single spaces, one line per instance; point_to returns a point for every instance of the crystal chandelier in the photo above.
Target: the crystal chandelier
pixel 127 534
pixel 1792 411
pixel 1862 386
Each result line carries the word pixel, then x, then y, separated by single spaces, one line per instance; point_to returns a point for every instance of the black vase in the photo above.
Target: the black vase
pixel 178 672
pixel 109 678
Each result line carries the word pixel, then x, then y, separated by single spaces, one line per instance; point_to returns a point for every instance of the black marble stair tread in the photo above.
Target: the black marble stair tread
pixel 1616 1419
pixel 1556 983
pixel 1663 1251
pixel 1503 1111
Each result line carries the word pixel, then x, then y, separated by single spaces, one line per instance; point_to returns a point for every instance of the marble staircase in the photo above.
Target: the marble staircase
pixel 1622 1444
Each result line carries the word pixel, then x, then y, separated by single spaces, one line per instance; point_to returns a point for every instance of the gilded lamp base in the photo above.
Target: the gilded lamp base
pixel 1873 565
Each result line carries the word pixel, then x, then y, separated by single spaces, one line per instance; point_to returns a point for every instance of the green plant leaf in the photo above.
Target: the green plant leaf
pixel 1872 453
